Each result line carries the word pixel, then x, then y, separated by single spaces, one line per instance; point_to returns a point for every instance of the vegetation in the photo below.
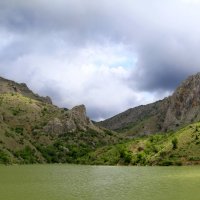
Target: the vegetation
pixel 4 158
pixel 179 148
pixel 23 138
pixel 174 143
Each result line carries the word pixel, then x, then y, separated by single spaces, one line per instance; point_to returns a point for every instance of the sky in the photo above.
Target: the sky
pixel 109 55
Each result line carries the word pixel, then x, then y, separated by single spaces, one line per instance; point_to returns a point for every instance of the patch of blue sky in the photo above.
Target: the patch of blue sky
pixel 126 63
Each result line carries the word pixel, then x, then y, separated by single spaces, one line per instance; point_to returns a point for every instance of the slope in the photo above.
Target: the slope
pixel 173 148
pixel 32 130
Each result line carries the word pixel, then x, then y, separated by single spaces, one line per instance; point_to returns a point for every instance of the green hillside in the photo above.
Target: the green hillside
pixel 33 131
pixel 174 148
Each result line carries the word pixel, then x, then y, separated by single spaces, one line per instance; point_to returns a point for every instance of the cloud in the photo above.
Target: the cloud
pixel 88 79
pixel 109 55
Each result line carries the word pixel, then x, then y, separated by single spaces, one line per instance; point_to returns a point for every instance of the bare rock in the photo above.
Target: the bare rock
pixel 184 107
pixel 54 126
pixel 73 120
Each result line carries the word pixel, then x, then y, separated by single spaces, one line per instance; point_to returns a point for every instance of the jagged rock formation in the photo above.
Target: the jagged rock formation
pixel 178 110
pixel 74 120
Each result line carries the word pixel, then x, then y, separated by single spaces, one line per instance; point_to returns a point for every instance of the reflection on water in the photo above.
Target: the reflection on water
pixel 72 182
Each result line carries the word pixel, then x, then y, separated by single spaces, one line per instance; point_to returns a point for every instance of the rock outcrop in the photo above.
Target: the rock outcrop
pixel 184 107
pixel 73 120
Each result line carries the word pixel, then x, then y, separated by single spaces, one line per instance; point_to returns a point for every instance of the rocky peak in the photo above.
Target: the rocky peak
pixel 78 113
pixel 73 120
pixel 184 107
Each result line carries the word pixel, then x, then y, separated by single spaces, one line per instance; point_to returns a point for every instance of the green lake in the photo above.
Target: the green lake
pixel 72 182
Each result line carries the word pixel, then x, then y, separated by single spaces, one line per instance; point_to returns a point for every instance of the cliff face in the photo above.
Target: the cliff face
pixel 184 107
pixel 178 110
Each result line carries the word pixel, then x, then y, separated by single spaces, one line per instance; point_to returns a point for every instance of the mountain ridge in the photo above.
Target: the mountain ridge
pixel 177 110
pixel 33 130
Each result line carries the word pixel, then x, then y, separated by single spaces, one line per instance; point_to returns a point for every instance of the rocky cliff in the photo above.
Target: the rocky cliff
pixel 178 110
pixel 184 106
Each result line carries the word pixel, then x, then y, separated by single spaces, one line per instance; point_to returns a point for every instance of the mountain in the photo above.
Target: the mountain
pixel 171 113
pixel 33 130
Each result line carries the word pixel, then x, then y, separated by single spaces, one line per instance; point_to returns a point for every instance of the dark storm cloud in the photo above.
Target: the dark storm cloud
pixel 53 41
pixel 164 68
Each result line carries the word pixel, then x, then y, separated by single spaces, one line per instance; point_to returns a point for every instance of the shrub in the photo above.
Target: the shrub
pixel 125 155
pixel 140 158
pixel 19 130
pixel 4 158
pixel 16 111
pixel 166 163
pixel 174 143
pixel 27 154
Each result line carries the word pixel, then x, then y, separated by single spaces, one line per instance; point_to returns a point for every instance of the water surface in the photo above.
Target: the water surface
pixel 72 182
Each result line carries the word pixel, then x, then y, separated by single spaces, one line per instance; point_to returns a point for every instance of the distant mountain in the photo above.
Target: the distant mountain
pixel 33 130
pixel 171 113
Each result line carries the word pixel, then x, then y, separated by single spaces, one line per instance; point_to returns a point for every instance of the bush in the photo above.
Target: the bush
pixel 19 130
pixel 125 155
pixel 16 111
pixel 166 163
pixel 194 158
pixel 4 158
pixel 174 143
pixel 27 154
pixel 140 158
